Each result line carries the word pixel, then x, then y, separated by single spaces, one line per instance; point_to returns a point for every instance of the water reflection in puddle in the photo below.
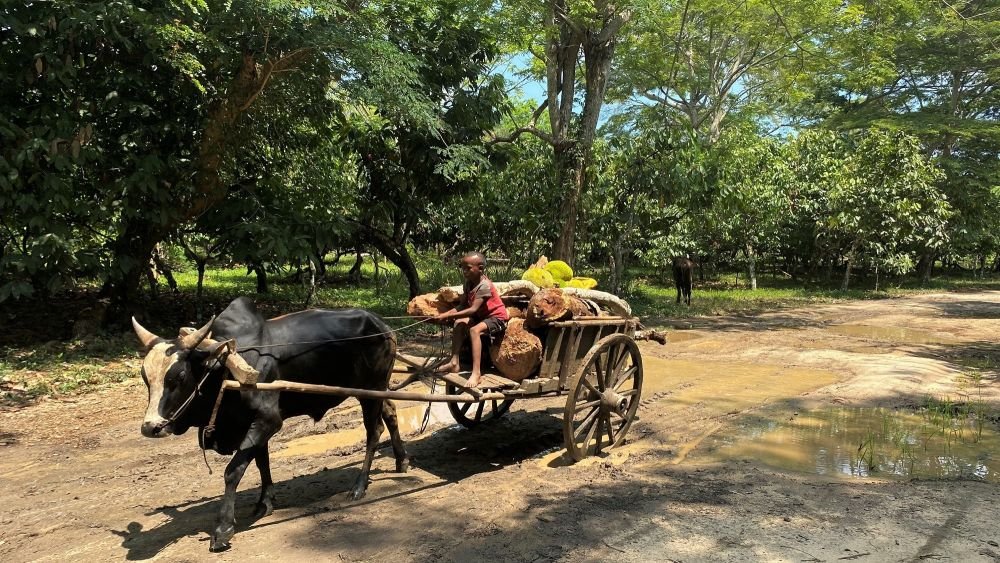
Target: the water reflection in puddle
pixel 863 442
pixel 893 334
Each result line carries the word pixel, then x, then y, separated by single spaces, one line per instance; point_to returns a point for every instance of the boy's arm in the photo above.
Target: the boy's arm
pixel 456 313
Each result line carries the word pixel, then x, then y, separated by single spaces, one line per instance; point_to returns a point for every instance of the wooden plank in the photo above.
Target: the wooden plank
pixel 593 321
pixel 571 357
pixel 539 385
pixel 297 387
pixel 415 363
pixel 487 381
pixel 552 352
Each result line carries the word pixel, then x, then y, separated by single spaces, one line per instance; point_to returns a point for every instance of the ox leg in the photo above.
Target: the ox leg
pixel 265 505
pixel 254 443
pixel 371 410
pixel 225 525
pixel 392 423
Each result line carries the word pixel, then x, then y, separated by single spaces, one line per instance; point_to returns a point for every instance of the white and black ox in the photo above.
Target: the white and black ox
pixel 345 348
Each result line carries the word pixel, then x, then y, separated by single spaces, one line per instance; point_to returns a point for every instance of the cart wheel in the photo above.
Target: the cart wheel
pixel 604 396
pixel 474 413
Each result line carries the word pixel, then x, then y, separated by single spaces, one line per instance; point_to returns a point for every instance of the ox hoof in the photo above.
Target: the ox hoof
pixel 403 465
pixel 263 508
pixel 357 493
pixel 220 539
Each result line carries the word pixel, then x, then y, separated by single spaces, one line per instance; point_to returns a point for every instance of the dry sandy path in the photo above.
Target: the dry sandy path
pixel 80 483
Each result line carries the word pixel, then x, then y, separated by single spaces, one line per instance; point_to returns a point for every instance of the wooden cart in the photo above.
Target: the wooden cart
pixel 594 362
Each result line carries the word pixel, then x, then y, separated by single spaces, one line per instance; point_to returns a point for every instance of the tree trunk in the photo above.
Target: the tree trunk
pixel 829 264
pixel 354 274
pixel 310 284
pixel 847 270
pixel 320 264
pixel 154 290
pixel 401 258
pixel 752 267
pixel 519 352
pixel 396 252
pixel 164 268
pixel 572 140
pixel 261 273
pixel 570 174
pixel 201 284
pixel 132 250
pixel 617 268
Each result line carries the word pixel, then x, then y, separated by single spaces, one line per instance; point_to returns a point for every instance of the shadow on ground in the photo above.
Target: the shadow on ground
pixel 450 454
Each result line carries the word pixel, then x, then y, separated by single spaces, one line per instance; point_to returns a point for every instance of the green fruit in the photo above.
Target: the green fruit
pixel 582 283
pixel 560 270
pixel 538 276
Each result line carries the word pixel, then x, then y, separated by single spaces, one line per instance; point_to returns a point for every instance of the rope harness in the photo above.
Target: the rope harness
pixel 331 341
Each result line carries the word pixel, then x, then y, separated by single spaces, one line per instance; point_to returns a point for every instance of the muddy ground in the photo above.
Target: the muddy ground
pixel 80 483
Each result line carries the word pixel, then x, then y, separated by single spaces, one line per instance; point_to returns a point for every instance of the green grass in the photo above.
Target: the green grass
pixel 58 368
pixel 29 370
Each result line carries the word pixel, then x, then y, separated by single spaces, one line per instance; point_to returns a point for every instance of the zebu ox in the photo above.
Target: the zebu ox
pixel 683 269
pixel 346 348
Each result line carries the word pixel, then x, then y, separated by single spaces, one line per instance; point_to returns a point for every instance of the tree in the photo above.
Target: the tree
pixel 406 168
pixel 887 202
pixel 752 194
pixel 930 69
pixel 698 62
pixel 571 33
pixel 158 94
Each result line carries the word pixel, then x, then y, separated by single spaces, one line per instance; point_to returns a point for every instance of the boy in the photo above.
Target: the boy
pixel 479 311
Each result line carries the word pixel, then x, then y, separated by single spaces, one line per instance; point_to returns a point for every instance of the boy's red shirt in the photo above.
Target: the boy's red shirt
pixel 492 306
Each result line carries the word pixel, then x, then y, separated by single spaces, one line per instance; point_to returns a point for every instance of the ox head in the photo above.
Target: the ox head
pixel 172 371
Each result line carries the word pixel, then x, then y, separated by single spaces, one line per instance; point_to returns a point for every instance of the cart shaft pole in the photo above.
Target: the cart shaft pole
pixel 363 393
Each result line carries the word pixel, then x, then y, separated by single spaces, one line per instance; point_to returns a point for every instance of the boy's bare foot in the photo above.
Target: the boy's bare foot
pixel 473 380
pixel 450 367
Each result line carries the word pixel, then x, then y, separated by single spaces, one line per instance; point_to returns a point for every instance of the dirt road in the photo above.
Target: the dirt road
pixel 80 483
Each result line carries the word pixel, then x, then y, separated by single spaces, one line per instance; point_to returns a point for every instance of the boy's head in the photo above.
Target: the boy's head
pixel 473 264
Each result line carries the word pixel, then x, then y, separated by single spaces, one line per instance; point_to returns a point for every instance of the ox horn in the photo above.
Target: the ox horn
pixel 145 337
pixel 192 340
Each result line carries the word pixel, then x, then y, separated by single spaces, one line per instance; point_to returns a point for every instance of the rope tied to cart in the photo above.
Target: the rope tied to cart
pixel 335 340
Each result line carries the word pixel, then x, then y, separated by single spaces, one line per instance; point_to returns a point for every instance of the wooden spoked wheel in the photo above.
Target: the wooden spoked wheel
pixel 475 413
pixel 604 396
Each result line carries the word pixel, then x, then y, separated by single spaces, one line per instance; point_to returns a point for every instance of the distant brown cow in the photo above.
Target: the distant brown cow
pixel 683 269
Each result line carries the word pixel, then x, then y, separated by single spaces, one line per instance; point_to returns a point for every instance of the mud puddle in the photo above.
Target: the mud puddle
pixel 689 396
pixel 675 336
pixel 410 419
pixel 900 335
pixel 725 387
pixel 863 442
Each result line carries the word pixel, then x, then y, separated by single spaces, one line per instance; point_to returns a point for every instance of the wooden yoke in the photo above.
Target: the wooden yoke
pixel 241 371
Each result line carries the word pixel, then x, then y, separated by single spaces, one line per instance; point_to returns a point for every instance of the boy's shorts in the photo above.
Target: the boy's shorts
pixel 495 327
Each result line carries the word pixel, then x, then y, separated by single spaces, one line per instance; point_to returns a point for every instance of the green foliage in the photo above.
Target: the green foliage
pixel 166 104
pixel 270 133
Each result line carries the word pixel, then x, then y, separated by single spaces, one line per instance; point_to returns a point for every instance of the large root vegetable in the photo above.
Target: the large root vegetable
pixel 519 352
